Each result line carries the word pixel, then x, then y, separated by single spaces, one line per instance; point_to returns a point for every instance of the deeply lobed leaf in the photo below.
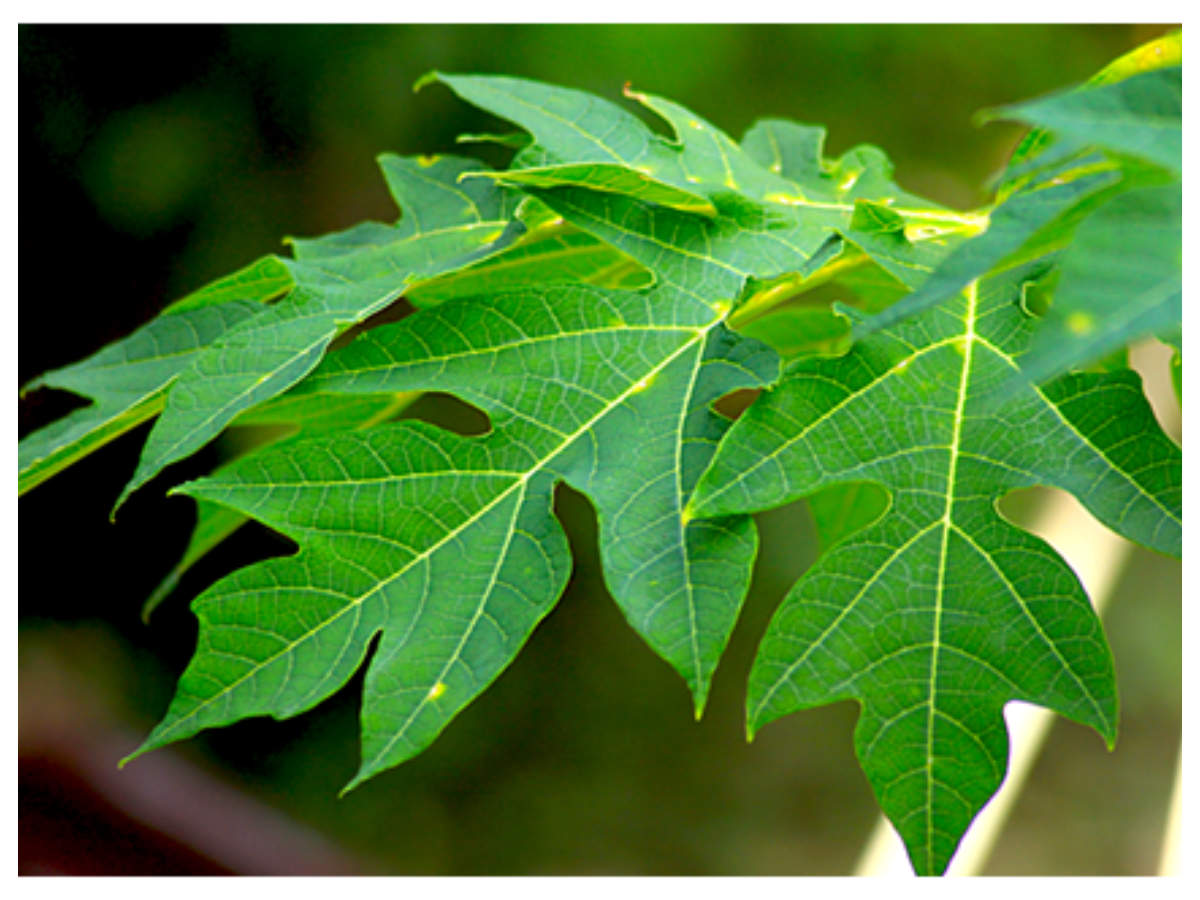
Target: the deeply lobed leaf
pixel 446 544
pixel 940 612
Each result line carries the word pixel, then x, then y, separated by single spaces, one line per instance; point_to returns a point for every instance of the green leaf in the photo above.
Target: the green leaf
pixel 1156 54
pixel 763 221
pixel 843 509
pixel 941 612
pixel 1023 227
pixel 1122 267
pixel 1120 279
pixel 1141 116
pixel 127 381
pixel 604 147
pixel 548 251
pixel 288 416
pixel 447 545
pixel 340 280
pixel 876 219
pixel 263 280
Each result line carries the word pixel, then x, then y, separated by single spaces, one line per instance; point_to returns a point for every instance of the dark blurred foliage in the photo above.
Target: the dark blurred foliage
pixel 153 159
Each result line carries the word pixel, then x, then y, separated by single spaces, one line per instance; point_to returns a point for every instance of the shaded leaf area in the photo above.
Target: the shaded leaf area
pixel 1159 53
pixel 1140 115
pixel 940 612
pixel 1098 175
pixel 202 368
pixel 1121 278
pixel 773 204
pixel 339 280
pixel 446 544
pixel 127 382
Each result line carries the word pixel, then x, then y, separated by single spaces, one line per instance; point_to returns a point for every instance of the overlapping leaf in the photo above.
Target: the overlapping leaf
pixel 939 613
pixel 340 280
pixel 582 385
pixel 1120 278
pixel 127 382
pixel 773 207
pixel 1099 175
pixel 206 375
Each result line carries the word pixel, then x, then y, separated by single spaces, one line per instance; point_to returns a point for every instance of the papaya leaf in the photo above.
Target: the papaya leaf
pixel 548 251
pixel 582 385
pixel 1044 146
pixel 286 417
pixel 940 612
pixel 759 220
pixel 446 544
pixel 263 280
pixel 340 280
pixel 127 381
pixel 1141 115
pixel 599 144
pixel 1119 135
pixel 1120 278
pixel 1024 227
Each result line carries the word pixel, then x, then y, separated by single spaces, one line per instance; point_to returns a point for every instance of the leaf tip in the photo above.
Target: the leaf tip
pixel 987 115
pixel 112 513
pixel 352 784
pixel 165 588
pixel 31 385
pixel 700 701
pixel 433 75
pixel 130 757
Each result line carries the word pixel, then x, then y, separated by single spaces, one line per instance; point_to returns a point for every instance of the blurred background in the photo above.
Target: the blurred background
pixel 153 159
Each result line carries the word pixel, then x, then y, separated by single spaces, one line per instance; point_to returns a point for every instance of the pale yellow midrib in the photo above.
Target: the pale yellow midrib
pixel 947 523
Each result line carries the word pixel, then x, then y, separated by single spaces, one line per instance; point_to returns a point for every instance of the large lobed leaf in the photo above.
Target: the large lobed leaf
pixel 940 612
pixel 447 545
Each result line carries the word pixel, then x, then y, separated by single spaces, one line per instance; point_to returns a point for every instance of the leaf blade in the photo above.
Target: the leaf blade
pixel 941 585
